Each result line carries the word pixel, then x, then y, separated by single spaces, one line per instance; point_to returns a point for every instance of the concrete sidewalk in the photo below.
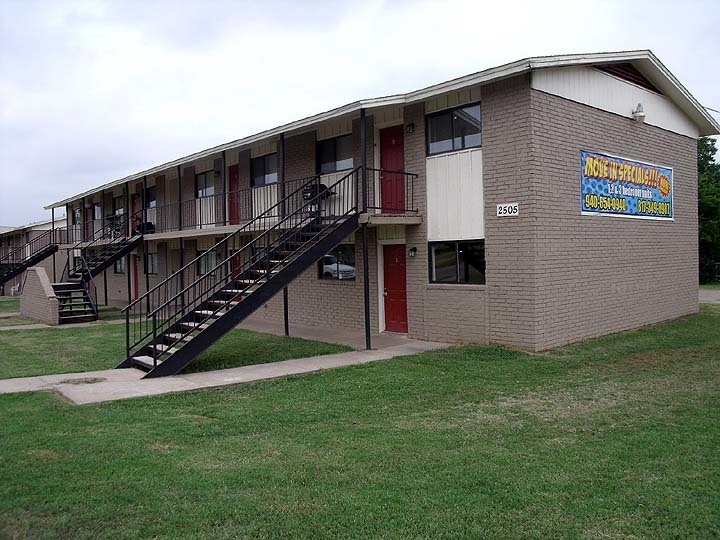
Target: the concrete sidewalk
pixel 117 384
pixel 710 296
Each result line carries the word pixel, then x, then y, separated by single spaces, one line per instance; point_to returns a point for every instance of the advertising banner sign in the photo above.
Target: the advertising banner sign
pixel 615 186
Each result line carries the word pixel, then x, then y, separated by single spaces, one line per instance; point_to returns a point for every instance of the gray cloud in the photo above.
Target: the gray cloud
pixel 93 90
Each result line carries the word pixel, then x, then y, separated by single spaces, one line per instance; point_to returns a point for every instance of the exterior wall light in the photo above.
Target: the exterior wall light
pixel 410 128
pixel 639 114
pixel 412 252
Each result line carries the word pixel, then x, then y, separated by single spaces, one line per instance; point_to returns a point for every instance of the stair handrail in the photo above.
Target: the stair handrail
pixel 6 259
pixel 92 297
pixel 149 325
pixel 101 234
pixel 263 215
pixel 266 232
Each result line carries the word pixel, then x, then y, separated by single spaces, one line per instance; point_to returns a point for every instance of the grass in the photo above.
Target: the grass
pixel 615 438
pixel 16 321
pixel 711 286
pixel 9 304
pixel 28 353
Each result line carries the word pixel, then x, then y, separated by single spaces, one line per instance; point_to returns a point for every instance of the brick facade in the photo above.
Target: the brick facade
pixel 553 276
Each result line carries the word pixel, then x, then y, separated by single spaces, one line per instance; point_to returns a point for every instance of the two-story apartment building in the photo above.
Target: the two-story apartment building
pixel 532 204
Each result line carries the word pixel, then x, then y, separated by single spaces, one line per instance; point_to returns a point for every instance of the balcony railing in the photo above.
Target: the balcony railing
pixel 395 191
pixel 391 192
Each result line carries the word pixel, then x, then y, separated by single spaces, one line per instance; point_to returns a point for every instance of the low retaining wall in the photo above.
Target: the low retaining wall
pixel 38 300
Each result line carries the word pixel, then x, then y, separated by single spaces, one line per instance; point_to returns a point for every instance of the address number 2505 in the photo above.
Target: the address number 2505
pixel 508 209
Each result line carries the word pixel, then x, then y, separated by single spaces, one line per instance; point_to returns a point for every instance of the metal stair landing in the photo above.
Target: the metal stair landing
pixel 173 323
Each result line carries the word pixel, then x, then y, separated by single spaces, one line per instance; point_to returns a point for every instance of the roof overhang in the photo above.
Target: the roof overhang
pixel 644 60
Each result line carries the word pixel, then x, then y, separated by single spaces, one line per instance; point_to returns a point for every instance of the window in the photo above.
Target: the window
pixel 118 206
pixel 152 263
pixel 454 129
pixel 205 184
pixel 77 216
pixel 151 197
pixel 207 262
pixel 335 154
pixel 458 262
pixel 97 211
pixel 119 267
pixel 338 263
pixel 264 170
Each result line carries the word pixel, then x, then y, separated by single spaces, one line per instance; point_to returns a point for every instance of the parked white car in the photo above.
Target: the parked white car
pixel 335 270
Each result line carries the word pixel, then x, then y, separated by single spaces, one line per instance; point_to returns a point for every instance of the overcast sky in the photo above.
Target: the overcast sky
pixel 94 90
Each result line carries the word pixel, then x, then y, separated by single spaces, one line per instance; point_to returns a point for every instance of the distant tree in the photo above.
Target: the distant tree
pixel 708 208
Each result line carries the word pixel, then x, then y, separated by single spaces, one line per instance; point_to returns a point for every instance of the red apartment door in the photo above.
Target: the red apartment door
pixel 234 197
pixel 395 288
pixel 392 158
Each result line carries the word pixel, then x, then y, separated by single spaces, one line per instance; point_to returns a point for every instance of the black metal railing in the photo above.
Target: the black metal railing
pixel 250 253
pixel 115 231
pixel 231 208
pixel 396 191
pixel 29 249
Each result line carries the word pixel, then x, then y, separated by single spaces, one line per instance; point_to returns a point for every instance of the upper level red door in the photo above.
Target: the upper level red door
pixel 234 196
pixel 392 158
pixel 395 288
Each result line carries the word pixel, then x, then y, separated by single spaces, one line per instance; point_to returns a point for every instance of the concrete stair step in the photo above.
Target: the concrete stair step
pixel 146 362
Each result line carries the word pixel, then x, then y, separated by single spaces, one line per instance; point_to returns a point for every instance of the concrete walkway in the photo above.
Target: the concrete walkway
pixel 710 296
pixel 117 384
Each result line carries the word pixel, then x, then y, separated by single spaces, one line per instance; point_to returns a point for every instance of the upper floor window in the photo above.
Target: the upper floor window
pixel 97 211
pixel 263 170
pixel 454 129
pixel 151 197
pixel 118 206
pixel 205 184
pixel 335 154
pixel 457 262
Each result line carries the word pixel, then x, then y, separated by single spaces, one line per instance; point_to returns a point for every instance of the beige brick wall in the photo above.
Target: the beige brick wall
pixel 597 274
pixel 38 300
pixel 451 313
pixel 511 267
pixel 554 276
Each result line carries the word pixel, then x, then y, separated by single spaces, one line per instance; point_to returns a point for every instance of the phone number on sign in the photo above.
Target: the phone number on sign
pixel 653 207
pixel 601 202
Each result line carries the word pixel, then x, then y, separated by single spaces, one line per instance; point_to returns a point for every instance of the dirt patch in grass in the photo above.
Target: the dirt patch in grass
pixel 43 454
pixel 589 399
pixel 160 448
pixel 84 380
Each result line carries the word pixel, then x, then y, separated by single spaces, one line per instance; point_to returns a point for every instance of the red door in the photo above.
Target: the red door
pixel 392 158
pixel 234 197
pixel 395 289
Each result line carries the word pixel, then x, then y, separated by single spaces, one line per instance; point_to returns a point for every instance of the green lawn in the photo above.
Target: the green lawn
pixel 16 321
pixel 9 304
pixel 25 353
pixel 711 286
pixel 616 438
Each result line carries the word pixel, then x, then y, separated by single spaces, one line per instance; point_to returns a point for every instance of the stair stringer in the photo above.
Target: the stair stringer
pixel 20 267
pixel 132 243
pixel 205 339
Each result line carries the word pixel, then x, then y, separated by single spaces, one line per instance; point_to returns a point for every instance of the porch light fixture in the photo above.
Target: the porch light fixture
pixel 412 252
pixel 639 114
pixel 410 128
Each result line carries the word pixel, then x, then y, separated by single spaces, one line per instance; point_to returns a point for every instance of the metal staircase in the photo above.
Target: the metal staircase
pixel 77 292
pixel 169 326
pixel 29 254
